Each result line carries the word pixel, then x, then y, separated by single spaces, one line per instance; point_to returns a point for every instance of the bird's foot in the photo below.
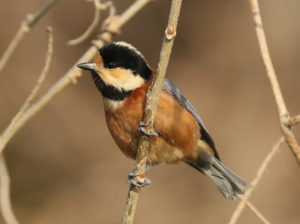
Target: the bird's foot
pixel 139 180
pixel 143 128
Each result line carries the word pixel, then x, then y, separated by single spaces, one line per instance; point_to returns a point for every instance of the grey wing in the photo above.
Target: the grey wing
pixel 171 88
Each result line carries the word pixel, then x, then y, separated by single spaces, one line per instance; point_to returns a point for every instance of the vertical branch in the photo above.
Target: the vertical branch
pixel 239 209
pixel 150 110
pixel 282 110
pixel 25 27
pixel 267 58
pixel 5 202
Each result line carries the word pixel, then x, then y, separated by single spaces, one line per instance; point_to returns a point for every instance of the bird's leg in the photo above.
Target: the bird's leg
pixel 144 129
pixel 139 180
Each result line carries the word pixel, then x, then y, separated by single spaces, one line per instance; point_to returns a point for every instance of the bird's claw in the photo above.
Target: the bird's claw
pixel 139 180
pixel 142 128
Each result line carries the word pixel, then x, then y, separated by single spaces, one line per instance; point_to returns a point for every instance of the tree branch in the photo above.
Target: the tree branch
pixel 25 27
pixel 239 209
pixel 15 123
pixel 150 110
pixel 5 202
pixel 255 211
pixel 98 8
pixel 74 72
pixel 282 110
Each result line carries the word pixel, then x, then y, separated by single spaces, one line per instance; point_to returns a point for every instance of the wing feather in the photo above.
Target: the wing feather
pixel 171 88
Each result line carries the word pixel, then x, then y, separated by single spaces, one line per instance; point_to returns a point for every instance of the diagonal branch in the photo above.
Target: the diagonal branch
pixel 282 109
pixel 15 123
pixel 239 209
pixel 25 27
pixel 150 110
pixel 255 211
pixel 74 72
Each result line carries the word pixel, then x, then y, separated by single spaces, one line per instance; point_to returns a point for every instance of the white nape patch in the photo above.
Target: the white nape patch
pixel 124 44
pixel 111 105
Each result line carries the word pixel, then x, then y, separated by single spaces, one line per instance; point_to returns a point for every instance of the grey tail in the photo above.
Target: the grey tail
pixel 225 180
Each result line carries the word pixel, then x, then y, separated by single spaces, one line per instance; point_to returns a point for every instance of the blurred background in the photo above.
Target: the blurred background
pixel 65 167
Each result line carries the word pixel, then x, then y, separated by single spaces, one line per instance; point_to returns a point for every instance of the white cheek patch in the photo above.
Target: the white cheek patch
pixel 127 81
pixel 133 82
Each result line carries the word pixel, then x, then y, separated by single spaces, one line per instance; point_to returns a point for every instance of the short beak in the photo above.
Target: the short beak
pixel 87 66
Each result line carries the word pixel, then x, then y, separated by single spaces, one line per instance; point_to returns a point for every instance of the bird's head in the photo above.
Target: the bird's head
pixel 118 69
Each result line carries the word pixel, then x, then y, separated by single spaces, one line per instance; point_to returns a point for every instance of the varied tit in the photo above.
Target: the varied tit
pixel 123 76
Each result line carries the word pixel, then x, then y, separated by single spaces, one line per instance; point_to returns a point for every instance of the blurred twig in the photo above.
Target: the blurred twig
pixel 285 119
pixel 255 181
pixel 74 72
pixel 255 211
pixel 5 202
pixel 15 124
pixel 99 6
pixel 150 110
pixel 25 27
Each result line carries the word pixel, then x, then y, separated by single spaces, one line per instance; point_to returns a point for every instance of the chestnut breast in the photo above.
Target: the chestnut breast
pixel 178 129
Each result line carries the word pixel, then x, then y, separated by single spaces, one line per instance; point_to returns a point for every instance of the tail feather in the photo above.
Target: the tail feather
pixel 236 182
pixel 220 181
pixel 225 180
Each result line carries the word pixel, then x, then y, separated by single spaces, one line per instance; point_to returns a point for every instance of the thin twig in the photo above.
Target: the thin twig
pixel 255 211
pixel 5 202
pixel 98 8
pixel 282 109
pixel 267 58
pixel 74 73
pixel 150 110
pixel 15 123
pixel 42 76
pixel 25 27
pixel 238 211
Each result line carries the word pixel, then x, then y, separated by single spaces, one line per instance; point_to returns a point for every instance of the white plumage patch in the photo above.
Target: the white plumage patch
pixel 120 78
pixel 124 44
pixel 111 105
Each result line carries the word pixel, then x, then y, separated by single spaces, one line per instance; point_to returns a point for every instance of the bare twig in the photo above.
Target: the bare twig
pixel 150 110
pixel 98 8
pixel 42 77
pixel 282 109
pixel 15 123
pixel 5 202
pixel 25 27
pixel 74 72
pixel 255 181
pixel 255 211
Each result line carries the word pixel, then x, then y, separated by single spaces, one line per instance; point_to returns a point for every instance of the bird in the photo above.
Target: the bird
pixel 123 76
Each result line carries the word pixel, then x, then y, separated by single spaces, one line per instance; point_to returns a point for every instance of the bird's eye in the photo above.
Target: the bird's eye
pixel 112 65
